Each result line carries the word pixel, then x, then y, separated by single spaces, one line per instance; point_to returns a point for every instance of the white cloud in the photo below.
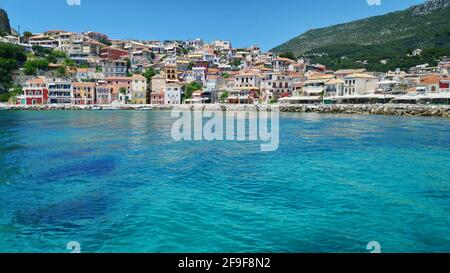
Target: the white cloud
pixel 374 2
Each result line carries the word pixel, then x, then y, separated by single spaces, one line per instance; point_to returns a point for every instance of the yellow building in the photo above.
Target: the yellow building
pixel 84 93
pixel 138 89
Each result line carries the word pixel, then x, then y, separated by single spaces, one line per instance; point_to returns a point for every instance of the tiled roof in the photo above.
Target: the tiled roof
pixel 361 75
pixel 431 80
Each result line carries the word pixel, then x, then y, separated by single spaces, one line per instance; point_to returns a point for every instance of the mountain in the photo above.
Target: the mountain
pixel 4 22
pixel 425 26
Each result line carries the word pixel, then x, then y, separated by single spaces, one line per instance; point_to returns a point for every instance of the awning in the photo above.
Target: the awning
pixel 406 97
pixel 439 96
pixel 300 98
pixel 378 96
pixel 313 90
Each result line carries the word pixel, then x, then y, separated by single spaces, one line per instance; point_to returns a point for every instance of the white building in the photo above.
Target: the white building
pixel 213 85
pixel 360 84
pixel 43 41
pixel 246 79
pixel 197 43
pixel 334 87
pixel 315 86
pixel 60 91
pixel 221 45
pixel 199 74
pixel 111 68
pixel 276 85
pixel 172 93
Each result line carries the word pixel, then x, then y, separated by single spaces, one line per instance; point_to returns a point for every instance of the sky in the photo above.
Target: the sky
pixel 266 23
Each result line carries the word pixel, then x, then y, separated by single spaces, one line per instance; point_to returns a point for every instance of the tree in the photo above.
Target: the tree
pixel 83 65
pixel 224 96
pixel 29 68
pixel 70 62
pixel 289 55
pixel 32 66
pixel 123 90
pixel 190 65
pixel 148 74
pixel 190 88
pixel 27 35
pixel 4 97
pixel 105 41
pixel 13 92
pixel 128 67
pixel 61 71
pixel 236 63
pixel 59 54
pixel 51 59
pixel 11 58
pixel 40 51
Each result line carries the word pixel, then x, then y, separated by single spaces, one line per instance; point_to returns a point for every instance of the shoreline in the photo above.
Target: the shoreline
pixel 350 109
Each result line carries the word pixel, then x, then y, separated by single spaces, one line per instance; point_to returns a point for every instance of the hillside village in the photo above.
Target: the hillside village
pixel 91 69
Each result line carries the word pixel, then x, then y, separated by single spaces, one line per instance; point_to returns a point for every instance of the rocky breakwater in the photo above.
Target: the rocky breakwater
pixel 372 109
pixel 355 109
pixel 56 107
pixel 358 109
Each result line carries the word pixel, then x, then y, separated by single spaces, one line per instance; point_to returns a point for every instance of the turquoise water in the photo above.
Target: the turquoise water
pixel 116 182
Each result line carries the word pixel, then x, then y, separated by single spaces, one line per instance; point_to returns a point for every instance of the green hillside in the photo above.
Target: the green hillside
pixel 389 36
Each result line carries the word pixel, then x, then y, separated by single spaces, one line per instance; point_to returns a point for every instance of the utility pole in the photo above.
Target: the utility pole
pixel 20 36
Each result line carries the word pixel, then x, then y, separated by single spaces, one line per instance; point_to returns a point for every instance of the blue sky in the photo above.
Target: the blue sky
pixel 245 22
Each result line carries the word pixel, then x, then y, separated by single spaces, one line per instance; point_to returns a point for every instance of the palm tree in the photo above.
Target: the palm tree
pixel 26 36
